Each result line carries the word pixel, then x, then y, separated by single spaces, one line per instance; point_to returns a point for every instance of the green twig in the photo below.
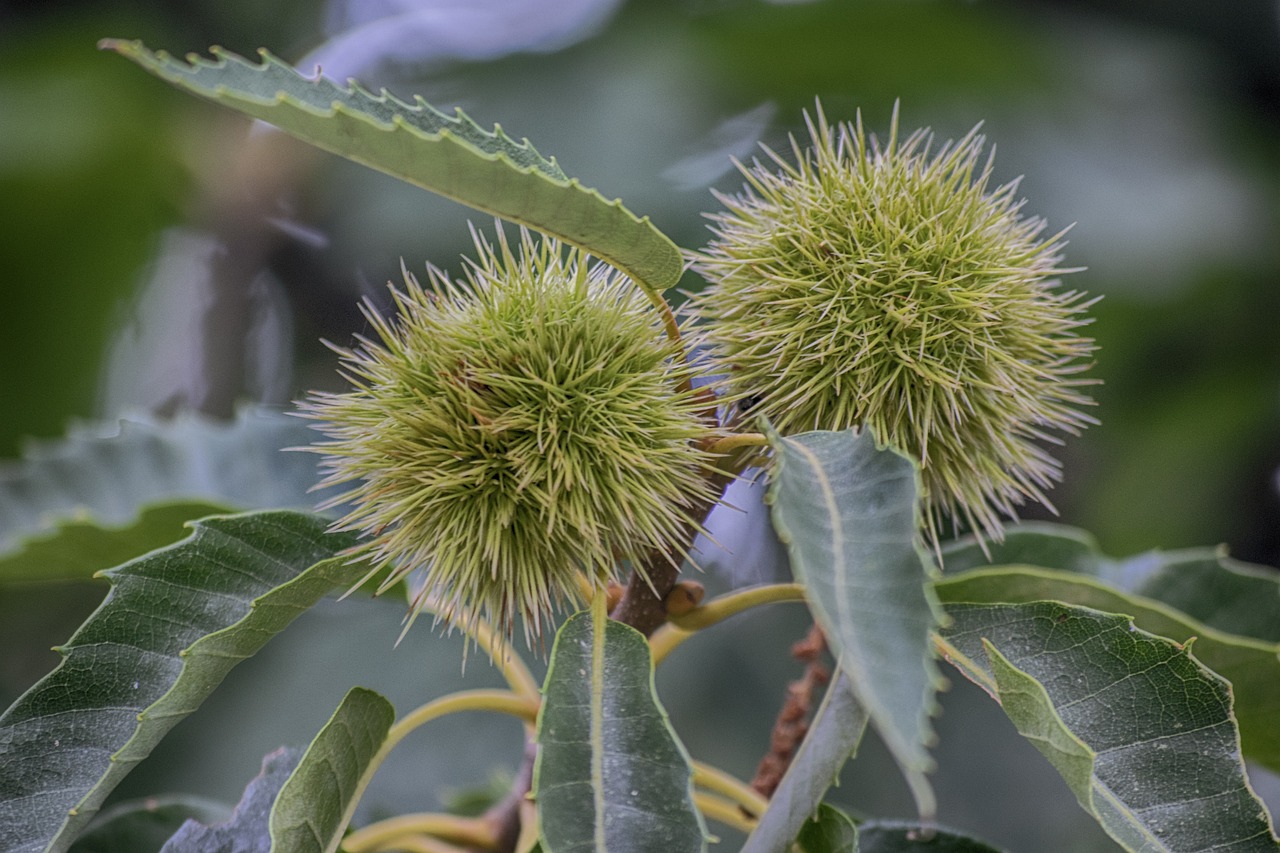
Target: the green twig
pixel 501 701
pixel 669 636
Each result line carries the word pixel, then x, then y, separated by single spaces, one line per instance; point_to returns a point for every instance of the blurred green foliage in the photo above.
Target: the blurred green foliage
pixel 1155 126
pixel 87 178
pixel 96 160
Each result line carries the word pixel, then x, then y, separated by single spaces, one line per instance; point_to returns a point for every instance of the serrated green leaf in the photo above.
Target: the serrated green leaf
pixel 828 831
pixel 1141 731
pixel 315 805
pixel 1231 608
pixel 173 625
pixel 833 738
pixel 109 492
pixel 897 837
pixel 849 515
pixel 449 155
pixel 611 773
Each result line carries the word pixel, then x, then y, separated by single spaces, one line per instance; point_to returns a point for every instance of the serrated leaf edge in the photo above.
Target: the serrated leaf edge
pixel 175 71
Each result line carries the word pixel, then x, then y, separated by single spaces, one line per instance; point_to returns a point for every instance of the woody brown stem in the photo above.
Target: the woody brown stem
pixel 644 604
pixel 793 720
pixel 505 816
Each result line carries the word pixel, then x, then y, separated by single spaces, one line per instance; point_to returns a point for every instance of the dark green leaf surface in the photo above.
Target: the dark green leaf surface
pixel 828 831
pixel 173 625
pixel 1232 608
pixel 246 829
pixel 75 549
pixel 849 515
pixel 110 492
pixel 833 738
pixel 143 826
pixel 315 805
pixel 449 155
pixel 895 837
pixel 1204 583
pixel 1029 543
pixel 1141 732
pixel 611 774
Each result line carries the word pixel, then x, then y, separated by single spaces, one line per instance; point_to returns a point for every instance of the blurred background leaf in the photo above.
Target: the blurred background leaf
pixel 154 253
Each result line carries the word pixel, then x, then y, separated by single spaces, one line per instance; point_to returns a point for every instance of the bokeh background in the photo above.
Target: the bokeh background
pixel 157 255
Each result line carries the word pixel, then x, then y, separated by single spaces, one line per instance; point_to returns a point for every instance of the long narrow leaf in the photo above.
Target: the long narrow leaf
pixel 449 155
pixel 612 776
pixel 849 515
pixel 832 740
pixel 173 625
pixel 1142 733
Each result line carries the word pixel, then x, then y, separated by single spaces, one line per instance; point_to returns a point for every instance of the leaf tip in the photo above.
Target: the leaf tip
pixel 122 46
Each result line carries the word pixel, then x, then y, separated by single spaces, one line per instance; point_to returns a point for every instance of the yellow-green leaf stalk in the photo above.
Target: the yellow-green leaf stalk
pixel 886 285
pixel 512 430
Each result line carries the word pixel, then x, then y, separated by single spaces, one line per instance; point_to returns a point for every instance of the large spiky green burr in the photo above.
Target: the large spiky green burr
pixel 516 431
pixel 888 285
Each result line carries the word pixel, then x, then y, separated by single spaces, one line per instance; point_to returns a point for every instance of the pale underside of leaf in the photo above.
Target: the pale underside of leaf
pixel 833 738
pixel 1141 731
pixel 849 515
pixel 109 492
pixel 449 155
pixel 246 828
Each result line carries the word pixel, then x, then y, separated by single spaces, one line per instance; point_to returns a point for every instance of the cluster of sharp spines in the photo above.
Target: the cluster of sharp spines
pixel 883 285
pixel 512 431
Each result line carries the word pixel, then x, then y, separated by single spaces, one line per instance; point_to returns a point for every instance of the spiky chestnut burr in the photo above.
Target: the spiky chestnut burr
pixel 884 285
pixel 510 431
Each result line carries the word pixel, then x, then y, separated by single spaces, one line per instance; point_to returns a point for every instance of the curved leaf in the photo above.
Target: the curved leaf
pixel 314 806
pixel 611 773
pixel 108 492
pixel 1030 543
pixel 173 625
pixel 1232 608
pixel 449 155
pixel 246 829
pixel 828 831
pixel 849 515
pixel 1251 666
pixel 74 549
pixel 833 738
pixel 1141 732
pixel 1204 583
